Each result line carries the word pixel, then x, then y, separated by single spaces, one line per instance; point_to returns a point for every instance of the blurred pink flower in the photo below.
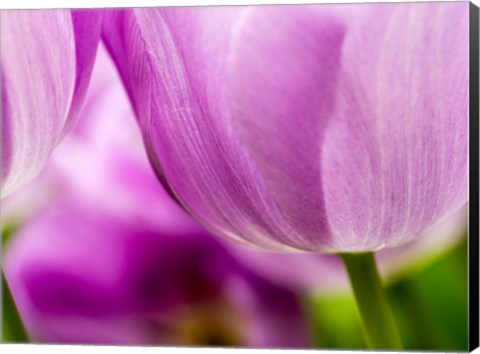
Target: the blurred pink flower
pixel 82 275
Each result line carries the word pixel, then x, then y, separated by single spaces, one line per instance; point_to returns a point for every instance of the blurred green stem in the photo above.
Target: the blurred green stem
pixel 12 327
pixel 378 324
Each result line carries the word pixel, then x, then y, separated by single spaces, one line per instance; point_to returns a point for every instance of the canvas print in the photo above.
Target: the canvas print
pixel 291 176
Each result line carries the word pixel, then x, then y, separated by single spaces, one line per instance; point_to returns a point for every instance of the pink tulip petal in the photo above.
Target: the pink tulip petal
pixel 38 75
pixel 47 57
pixel 281 94
pixel 179 94
pixel 87 28
pixel 327 129
pixel 395 155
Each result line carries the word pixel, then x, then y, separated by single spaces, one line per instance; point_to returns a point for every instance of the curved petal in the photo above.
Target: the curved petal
pixel 395 155
pixel 332 128
pixel 177 65
pixel 87 25
pixel 281 93
pixel 46 58
pixel 38 76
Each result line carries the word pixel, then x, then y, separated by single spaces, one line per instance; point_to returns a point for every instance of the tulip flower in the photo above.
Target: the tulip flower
pixel 112 259
pixel 317 128
pixel 333 129
pixel 47 57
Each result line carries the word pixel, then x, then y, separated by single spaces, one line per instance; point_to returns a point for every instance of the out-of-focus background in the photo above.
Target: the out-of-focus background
pixel 430 308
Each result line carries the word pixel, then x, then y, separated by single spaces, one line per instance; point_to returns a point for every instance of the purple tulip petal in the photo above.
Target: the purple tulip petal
pixel 339 128
pixel 46 58
pixel 87 28
pixel 281 93
pixel 395 154
pixel 38 75
pixel 179 94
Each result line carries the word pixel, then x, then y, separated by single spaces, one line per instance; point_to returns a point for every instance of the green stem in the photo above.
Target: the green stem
pixel 379 328
pixel 12 327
